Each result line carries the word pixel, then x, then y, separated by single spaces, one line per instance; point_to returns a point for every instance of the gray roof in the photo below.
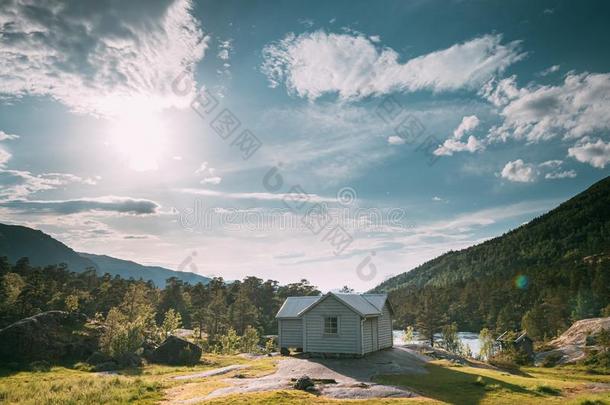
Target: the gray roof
pixel 378 300
pixel 293 306
pixel 363 304
pixel 359 303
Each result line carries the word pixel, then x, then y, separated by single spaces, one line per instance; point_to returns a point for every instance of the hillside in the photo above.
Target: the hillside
pixel 42 250
pixel 129 269
pixel 565 252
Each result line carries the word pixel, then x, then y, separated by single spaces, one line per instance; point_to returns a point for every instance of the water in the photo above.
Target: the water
pixel 468 338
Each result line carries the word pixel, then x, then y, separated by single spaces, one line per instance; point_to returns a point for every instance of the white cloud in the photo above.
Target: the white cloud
pixel 99 60
pixel 395 140
pixel 211 180
pixel 468 124
pixel 549 70
pixel 566 174
pixel 4 157
pixel 259 196
pixel 17 184
pixel 7 137
pixel 224 49
pixel 454 144
pixel 519 171
pixel 534 113
pixel 208 173
pixel 121 205
pixel 353 66
pixel 596 153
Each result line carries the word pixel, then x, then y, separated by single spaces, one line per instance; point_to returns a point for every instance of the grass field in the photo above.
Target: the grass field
pixel 445 383
pixel 463 385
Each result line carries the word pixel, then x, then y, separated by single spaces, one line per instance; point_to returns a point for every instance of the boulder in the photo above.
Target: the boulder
pixel 176 351
pixel 48 336
pixel 304 383
pixel 572 345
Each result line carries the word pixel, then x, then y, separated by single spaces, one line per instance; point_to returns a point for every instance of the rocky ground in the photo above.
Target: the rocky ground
pixel 571 345
pixel 336 378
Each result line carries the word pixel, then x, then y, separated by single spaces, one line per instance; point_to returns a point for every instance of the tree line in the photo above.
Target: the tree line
pixel 212 309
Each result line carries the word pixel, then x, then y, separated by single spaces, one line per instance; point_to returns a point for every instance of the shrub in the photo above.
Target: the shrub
pixel 40 366
pixel 249 340
pixel 270 346
pixel 551 360
pixel 120 336
pixel 504 361
pixel 409 334
pixel 229 343
pixel 545 389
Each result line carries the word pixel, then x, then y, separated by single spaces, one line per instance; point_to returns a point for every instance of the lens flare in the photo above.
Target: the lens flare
pixel 521 281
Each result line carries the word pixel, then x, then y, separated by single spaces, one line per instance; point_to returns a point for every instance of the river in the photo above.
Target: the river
pixel 468 338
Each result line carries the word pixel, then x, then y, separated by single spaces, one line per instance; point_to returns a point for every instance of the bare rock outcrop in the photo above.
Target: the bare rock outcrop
pixel 570 346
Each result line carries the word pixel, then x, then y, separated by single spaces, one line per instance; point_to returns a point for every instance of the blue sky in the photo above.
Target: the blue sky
pixel 420 127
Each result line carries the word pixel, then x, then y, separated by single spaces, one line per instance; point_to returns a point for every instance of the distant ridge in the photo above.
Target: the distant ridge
pixel 41 249
pixel 127 269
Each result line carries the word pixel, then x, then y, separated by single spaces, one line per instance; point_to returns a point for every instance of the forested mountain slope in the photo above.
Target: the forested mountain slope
pixel 42 250
pixel 558 263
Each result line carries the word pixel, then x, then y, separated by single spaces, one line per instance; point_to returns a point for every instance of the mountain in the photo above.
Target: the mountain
pixel 561 255
pixel 42 250
pixel 127 269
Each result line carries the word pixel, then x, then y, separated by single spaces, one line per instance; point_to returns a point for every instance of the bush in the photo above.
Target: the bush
pixel 551 360
pixel 249 340
pixel 229 343
pixel 40 366
pixel 270 346
pixel 121 337
pixel 504 360
pixel 98 358
pixel 545 389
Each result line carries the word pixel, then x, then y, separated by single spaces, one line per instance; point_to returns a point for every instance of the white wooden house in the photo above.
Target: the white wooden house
pixel 336 323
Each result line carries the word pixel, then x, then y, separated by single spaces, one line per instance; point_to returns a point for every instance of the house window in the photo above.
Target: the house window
pixel 331 325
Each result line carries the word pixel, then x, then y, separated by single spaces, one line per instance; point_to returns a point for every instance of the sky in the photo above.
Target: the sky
pixel 342 142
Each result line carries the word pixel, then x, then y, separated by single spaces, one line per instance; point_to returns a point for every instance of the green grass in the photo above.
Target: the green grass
pixel 65 386
pixel 470 385
pixel 444 383
pixel 146 385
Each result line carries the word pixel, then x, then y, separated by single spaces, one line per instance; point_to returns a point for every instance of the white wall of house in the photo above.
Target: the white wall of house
pixel 290 333
pixel 348 338
pixel 370 335
pixel 385 328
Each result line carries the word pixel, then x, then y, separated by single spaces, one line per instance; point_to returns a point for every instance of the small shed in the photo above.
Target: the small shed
pixel 522 342
pixel 336 323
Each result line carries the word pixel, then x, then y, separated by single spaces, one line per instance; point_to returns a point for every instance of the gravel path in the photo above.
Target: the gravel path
pixel 353 376
pixel 210 373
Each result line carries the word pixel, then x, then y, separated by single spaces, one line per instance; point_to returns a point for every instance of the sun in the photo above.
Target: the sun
pixel 140 136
